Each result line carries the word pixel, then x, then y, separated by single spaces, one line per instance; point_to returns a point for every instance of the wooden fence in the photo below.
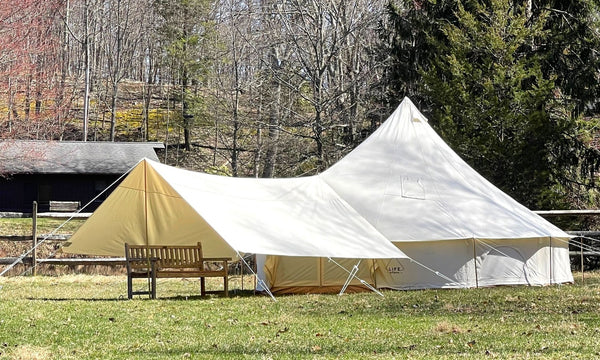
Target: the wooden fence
pixel 32 260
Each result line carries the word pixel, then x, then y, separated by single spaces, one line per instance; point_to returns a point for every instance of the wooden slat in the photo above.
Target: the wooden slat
pixel 64 206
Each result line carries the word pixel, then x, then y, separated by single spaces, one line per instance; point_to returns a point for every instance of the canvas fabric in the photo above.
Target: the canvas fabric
pixel 402 198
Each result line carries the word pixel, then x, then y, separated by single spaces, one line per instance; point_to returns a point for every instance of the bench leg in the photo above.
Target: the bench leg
pixel 153 286
pixel 225 287
pixel 202 286
pixel 129 287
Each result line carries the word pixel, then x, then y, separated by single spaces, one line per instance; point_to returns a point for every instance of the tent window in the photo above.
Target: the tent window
pixel 413 188
pixel 407 187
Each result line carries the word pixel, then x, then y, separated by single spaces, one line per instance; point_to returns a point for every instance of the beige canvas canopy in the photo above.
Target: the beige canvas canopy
pixel 160 204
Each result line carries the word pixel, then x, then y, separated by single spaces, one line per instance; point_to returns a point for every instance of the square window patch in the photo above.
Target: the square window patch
pixel 407 187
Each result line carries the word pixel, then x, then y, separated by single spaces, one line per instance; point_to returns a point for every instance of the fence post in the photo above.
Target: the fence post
pixel 581 247
pixel 34 237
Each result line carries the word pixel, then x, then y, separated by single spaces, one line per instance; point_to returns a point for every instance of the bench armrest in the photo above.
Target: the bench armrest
pixel 216 259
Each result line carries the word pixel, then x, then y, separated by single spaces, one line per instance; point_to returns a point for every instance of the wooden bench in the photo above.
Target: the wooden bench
pixel 64 206
pixel 166 261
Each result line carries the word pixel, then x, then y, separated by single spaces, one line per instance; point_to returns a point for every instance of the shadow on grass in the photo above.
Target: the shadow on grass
pixel 232 295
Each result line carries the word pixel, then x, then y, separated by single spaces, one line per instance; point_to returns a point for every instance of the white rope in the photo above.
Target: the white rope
pixel 585 237
pixel 258 279
pixel 435 272
pixel 20 258
pixel 352 274
pixel 586 247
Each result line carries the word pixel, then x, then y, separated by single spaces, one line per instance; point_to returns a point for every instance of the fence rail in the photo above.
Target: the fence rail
pixel 33 260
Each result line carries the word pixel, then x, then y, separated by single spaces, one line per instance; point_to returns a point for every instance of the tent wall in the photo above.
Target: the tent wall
pixel 286 274
pixel 540 261
pixel 476 262
pixel 464 263
pixel 453 259
pixel 144 209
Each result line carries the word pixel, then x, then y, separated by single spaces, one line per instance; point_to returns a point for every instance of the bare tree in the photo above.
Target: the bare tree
pixel 330 60
pixel 120 47
pixel 28 62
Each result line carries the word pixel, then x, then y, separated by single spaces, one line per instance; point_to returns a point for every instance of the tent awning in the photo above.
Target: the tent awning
pixel 158 203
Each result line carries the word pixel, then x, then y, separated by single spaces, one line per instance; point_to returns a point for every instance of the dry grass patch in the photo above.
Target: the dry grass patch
pixel 29 352
pixel 445 327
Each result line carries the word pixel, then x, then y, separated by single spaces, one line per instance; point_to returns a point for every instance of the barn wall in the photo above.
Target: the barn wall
pixel 17 193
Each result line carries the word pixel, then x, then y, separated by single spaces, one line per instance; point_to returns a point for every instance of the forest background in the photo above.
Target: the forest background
pixel 279 88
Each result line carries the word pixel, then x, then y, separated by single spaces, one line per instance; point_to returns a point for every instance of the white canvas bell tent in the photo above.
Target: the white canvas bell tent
pixel 419 194
pixel 402 192
pixel 457 229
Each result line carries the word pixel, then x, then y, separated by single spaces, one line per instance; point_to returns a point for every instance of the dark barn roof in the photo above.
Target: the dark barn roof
pixel 73 157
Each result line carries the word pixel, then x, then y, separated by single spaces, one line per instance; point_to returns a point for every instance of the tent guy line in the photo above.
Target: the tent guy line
pixel 258 278
pixel 351 275
pixel 20 258
pixel 386 202
pixel 585 247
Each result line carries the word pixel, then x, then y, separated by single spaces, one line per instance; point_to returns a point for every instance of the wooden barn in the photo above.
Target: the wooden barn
pixel 59 171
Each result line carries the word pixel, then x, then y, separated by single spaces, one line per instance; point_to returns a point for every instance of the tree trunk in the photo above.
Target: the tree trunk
pixel 274 118
pixel 113 108
pixel 86 93
pixel 236 120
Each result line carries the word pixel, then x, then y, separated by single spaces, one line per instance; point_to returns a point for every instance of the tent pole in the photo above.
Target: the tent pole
pixel 551 258
pixel 151 287
pixel 352 274
pixel 475 263
pixel 146 201
pixel 259 280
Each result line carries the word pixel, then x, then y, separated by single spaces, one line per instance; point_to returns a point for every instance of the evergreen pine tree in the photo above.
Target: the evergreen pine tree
pixel 491 90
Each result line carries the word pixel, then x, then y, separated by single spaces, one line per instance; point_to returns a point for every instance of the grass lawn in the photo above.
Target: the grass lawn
pixel 23 226
pixel 86 317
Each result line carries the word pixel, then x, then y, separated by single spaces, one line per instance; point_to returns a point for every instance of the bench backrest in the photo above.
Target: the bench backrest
pixel 176 256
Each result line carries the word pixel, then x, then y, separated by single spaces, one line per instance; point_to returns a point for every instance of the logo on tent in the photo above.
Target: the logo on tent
pixel 395 269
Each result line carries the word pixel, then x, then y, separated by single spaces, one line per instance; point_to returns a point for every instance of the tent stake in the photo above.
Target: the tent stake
pixel 352 274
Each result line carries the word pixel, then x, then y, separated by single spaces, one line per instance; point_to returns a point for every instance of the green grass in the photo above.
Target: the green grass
pixel 23 226
pixel 86 317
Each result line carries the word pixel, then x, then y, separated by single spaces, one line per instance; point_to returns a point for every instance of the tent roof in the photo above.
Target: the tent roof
pixel 160 204
pixel 73 157
pixel 411 186
pixel 401 184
